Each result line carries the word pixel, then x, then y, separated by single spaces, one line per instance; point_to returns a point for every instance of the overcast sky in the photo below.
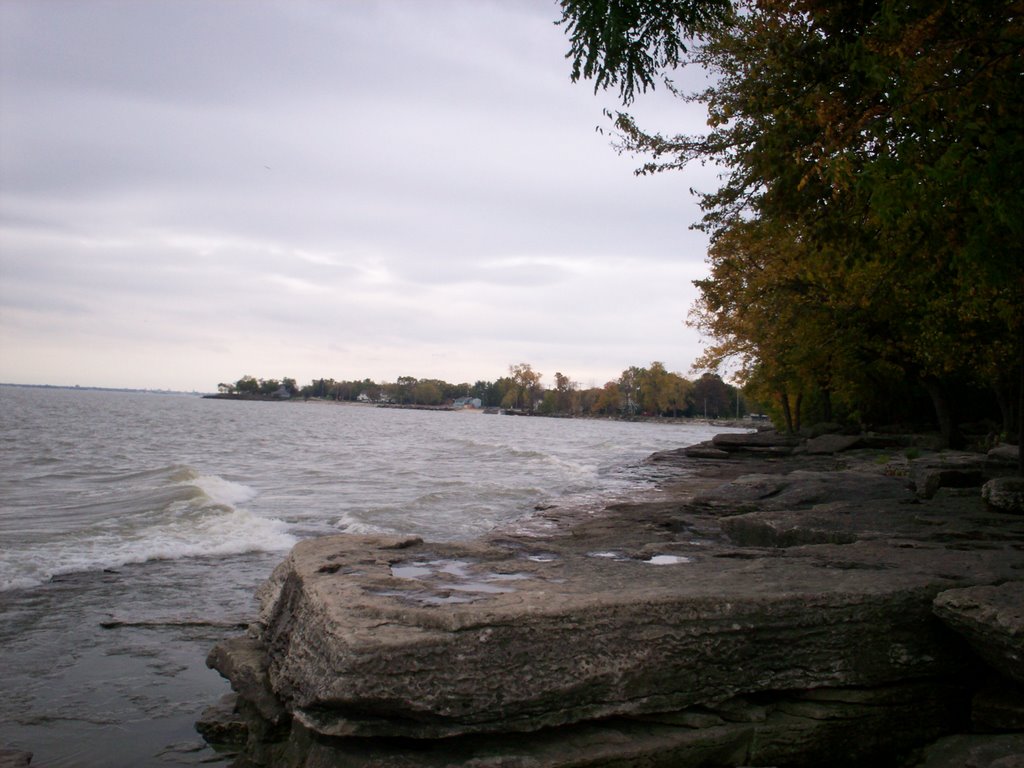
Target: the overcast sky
pixel 193 190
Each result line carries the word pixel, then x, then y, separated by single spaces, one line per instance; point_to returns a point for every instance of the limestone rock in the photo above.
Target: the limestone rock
pixel 839 728
pixel 1007 455
pixel 830 524
pixel 1005 494
pixel 440 640
pixel 222 723
pixel 802 488
pixel 781 618
pixel 975 751
pixel 243 661
pixel 14 758
pixel 706 450
pixel 831 443
pixel 756 442
pixel 998 706
pixel 992 620
pixel 947 470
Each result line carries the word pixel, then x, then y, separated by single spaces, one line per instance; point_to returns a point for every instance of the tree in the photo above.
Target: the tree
pixel 247 385
pixel 526 383
pixel 871 205
pixel 566 395
pixel 626 43
pixel 269 386
pixel 710 397
pixel 609 399
pixel 427 392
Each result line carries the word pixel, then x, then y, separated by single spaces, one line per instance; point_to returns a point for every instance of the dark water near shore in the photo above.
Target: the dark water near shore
pixel 134 529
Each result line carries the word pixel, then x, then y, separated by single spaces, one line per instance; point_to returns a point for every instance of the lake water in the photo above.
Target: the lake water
pixel 134 529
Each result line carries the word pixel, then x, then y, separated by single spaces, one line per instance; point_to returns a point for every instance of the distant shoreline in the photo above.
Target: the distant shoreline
pixel 80 388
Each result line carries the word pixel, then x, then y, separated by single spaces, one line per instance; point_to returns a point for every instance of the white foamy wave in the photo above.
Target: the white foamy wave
pixel 221 491
pixel 349 523
pixel 203 522
pixel 226 533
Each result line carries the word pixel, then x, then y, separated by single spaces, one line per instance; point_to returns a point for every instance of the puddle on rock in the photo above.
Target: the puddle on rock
pixel 442 577
pixel 668 560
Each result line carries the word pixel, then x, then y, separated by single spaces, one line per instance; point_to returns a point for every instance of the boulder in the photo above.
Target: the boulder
pixel 991 618
pixel 1005 494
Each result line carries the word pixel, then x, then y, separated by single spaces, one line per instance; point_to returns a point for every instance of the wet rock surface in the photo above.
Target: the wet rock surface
pixel 770 607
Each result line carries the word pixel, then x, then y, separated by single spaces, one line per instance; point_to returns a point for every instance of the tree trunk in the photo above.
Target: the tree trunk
pixel 787 414
pixel 951 437
pixel 1006 398
pixel 1020 404
pixel 798 410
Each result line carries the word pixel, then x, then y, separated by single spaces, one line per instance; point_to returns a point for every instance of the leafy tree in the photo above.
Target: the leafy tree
pixel 710 397
pixel 566 395
pixel 526 383
pixel 676 393
pixel 609 399
pixel 427 392
pixel 269 386
pixel 403 389
pixel 626 43
pixel 630 383
pixel 871 207
pixel 247 385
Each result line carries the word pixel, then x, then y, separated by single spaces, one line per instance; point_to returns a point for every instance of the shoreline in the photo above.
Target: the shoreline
pixel 770 590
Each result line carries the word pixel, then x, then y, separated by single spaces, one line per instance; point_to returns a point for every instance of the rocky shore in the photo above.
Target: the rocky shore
pixel 777 602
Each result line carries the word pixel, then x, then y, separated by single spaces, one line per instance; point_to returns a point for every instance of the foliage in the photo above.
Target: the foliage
pixel 626 44
pixel 867 233
pixel 652 391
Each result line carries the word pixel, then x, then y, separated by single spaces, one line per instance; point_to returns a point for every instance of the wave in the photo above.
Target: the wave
pixel 167 514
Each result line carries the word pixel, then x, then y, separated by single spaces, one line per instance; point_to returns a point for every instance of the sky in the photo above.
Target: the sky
pixel 196 190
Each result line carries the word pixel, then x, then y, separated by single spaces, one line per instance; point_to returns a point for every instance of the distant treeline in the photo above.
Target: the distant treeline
pixel 650 391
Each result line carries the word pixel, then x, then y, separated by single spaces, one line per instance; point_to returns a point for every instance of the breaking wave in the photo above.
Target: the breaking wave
pixel 165 514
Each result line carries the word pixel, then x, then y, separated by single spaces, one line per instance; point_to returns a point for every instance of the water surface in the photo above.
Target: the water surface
pixel 134 529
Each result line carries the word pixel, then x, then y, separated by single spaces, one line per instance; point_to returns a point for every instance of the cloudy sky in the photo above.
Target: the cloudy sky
pixel 193 190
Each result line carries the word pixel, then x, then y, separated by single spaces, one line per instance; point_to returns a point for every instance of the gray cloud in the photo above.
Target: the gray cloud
pixel 190 190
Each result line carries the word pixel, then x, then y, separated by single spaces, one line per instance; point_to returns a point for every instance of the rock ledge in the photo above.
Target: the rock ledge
pixel 776 609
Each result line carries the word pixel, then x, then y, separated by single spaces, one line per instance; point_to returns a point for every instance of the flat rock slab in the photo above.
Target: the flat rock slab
pixel 14 758
pixel 366 637
pixel 803 488
pixel 833 443
pixel 976 751
pixel 837 728
pixel 992 620
pixel 667 630
pixel 771 442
